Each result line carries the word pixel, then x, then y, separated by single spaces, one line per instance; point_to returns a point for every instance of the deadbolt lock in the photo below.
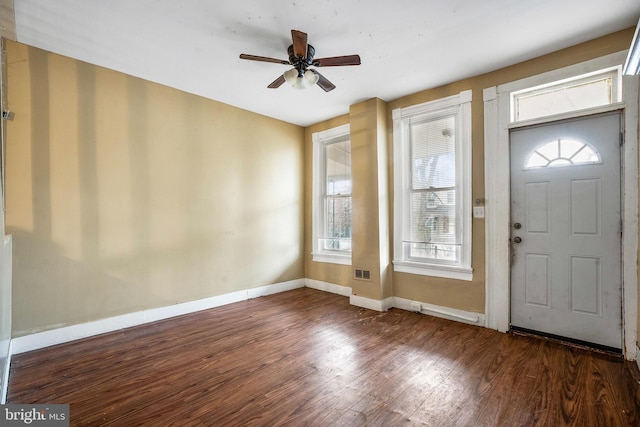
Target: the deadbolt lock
pixel 517 226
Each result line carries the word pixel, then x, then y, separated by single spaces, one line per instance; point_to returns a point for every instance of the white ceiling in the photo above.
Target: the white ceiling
pixel 405 45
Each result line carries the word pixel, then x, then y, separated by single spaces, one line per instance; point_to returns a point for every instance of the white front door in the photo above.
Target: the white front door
pixel 566 229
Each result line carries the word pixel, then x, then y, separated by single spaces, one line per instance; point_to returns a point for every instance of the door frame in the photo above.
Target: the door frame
pixel 497 111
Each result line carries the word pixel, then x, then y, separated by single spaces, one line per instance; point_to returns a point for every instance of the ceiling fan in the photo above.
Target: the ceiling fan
pixel 301 57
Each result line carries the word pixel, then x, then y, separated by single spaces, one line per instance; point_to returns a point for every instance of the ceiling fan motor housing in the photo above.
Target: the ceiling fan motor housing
pixel 300 63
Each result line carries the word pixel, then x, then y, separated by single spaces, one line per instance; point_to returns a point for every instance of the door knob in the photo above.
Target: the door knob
pixel 517 239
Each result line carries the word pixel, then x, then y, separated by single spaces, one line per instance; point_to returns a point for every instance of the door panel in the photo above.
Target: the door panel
pixel 566 267
pixel 537 279
pixel 586 289
pixel 585 207
pixel 537 207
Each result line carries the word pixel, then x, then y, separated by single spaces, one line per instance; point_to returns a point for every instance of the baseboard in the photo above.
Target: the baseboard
pixel 424 308
pixel 70 333
pixel 6 254
pixel 5 379
pixel 345 291
pixel 371 304
pixel 440 311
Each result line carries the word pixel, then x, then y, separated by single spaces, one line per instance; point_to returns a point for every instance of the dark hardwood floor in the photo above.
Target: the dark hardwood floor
pixel 307 357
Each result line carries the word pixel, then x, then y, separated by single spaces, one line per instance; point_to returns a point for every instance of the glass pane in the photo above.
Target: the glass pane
pixel 560 162
pixel 433 251
pixel 569 147
pixel 537 161
pixel 564 98
pixel 586 155
pixel 338 164
pixel 549 150
pixel 433 224
pixel 564 152
pixel 337 223
pixel 433 153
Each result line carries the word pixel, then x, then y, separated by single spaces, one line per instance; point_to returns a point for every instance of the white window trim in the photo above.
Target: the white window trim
pixel 462 102
pixel 318 255
pixel 497 192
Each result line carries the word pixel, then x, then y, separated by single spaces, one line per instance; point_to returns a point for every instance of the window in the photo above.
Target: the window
pixel 432 188
pixel 562 152
pixel 332 196
pixel 577 93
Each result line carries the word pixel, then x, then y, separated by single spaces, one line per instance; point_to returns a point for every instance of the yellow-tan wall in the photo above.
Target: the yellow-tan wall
pixel 5 253
pixel 124 195
pixel 469 296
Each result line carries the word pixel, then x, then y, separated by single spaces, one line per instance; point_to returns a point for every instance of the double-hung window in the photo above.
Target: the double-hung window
pixel 432 188
pixel 331 204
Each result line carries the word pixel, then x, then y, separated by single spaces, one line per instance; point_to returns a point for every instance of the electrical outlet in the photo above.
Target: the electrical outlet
pixel 478 211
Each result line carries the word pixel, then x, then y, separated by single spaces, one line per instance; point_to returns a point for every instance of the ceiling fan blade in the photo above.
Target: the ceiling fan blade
pixel 277 82
pixel 335 61
pixel 263 59
pixel 299 43
pixel 325 84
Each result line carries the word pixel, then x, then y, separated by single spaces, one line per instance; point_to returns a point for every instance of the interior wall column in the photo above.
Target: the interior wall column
pixel 370 197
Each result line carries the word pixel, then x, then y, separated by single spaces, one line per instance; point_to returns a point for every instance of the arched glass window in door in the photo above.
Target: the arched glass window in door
pixel 562 152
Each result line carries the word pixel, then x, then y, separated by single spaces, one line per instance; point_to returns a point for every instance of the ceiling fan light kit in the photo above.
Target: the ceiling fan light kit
pixel 299 80
pixel 301 57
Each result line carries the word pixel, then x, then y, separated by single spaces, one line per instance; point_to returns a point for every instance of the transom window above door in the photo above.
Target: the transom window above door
pixel 577 93
pixel 562 152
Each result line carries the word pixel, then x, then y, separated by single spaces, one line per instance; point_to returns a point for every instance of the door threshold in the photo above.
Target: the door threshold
pixel 570 342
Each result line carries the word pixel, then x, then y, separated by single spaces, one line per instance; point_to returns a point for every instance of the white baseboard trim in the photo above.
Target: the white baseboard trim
pixel 441 311
pixel 345 291
pixel 371 304
pixel 276 288
pixel 5 379
pixel 70 333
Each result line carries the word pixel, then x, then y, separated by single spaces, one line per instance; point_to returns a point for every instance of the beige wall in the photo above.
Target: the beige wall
pixel 469 296
pixel 5 254
pixel 124 195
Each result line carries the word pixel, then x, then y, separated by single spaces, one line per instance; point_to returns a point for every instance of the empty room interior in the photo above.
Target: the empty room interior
pixel 321 213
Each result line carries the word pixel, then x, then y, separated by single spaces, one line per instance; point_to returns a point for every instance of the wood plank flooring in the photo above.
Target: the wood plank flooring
pixel 307 357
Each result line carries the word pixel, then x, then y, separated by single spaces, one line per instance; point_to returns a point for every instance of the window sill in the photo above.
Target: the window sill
pixel 332 258
pixel 435 270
